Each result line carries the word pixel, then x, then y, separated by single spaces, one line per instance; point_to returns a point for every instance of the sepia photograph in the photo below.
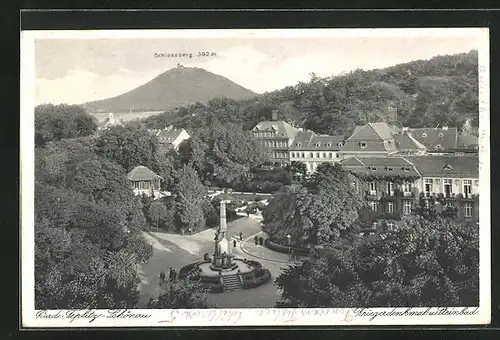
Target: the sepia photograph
pixel 255 177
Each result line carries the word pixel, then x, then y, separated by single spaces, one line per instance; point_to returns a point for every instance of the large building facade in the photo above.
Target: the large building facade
pixel 276 136
pixel 394 185
pixel 312 149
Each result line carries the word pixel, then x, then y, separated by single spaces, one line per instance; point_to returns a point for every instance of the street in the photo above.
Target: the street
pixel 176 251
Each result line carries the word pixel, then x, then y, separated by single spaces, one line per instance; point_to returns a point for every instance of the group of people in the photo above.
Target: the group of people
pixel 259 241
pixel 172 275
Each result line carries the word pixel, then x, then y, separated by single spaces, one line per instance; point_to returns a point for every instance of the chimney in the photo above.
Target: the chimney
pixel 274 115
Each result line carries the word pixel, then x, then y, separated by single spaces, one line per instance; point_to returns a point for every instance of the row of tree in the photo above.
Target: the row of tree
pixel 87 229
pixel 436 92
pixel 88 223
pixel 428 260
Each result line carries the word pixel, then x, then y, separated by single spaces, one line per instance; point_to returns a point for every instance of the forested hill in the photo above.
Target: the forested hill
pixel 436 92
pixel 173 88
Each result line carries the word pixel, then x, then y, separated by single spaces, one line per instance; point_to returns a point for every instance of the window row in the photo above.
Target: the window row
pixel 275 143
pixel 313 154
pixel 406 188
pixel 264 134
pixel 408 207
pixel 278 154
pixel 464 186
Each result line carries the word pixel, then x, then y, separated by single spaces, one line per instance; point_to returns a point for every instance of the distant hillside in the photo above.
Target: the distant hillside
pixel 436 92
pixel 176 87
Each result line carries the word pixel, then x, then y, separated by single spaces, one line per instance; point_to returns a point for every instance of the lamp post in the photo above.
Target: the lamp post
pixel 288 237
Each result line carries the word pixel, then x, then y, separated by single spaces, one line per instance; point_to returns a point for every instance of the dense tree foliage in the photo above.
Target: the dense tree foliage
pixel 87 229
pixel 222 154
pixel 439 91
pixel 54 122
pixel 423 263
pixel 318 212
pixel 190 199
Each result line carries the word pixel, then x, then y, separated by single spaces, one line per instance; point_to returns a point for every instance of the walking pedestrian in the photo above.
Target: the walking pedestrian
pixel 234 243
pixel 241 236
pixel 256 239
pixel 162 276
pixel 170 274
pixel 174 275
pixel 261 241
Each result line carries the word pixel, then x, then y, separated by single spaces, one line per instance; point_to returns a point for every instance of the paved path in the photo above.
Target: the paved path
pixel 173 250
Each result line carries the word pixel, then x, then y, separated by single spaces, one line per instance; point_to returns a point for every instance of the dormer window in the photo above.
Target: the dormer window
pixel 440 134
pixel 372 168
pixel 439 147
pixel 329 144
pixel 299 144
pixel 340 144
pixel 362 145
pixel 447 167
pixel 424 135
pixel 390 169
pixel 318 144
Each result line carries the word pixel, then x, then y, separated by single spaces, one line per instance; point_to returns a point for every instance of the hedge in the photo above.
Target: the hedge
pixel 285 249
pixel 263 277
pixel 184 271
pixel 213 287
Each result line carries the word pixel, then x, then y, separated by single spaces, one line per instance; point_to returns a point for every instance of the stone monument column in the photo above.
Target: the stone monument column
pixel 225 242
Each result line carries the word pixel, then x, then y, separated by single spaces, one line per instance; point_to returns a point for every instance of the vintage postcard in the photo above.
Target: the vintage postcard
pixel 255 177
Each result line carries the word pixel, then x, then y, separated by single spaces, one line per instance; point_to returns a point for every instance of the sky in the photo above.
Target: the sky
pixel 74 70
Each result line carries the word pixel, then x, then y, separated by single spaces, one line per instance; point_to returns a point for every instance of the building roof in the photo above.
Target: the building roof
pixel 467 141
pixel 442 166
pixel 141 173
pixel 169 134
pixel 405 141
pixel 371 145
pixel 376 136
pixel 308 140
pixel 388 166
pixel 436 139
pixel 282 128
pixel 372 131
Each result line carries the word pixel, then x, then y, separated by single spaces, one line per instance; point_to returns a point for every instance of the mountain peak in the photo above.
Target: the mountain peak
pixel 174 87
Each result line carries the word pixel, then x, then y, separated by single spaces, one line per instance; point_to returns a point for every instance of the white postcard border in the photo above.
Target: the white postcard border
pixel 242 317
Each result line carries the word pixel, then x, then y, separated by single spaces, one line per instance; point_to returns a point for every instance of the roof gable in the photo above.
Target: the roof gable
pixel 141 173
pixel 366 132
pixel 372 131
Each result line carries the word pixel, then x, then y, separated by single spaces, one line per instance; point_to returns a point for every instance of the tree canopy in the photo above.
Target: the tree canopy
pixel 440 91
pixel 190 199
pixel 222 154
pixel 424 263
pixel 87 229
pixel 318 212
pixel 55 122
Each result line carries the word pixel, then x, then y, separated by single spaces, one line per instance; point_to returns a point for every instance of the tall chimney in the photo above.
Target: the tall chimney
pixel 274 115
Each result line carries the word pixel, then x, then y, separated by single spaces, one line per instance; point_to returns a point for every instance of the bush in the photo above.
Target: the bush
pixel 187 269
pixel 285 249
pixel 263 277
